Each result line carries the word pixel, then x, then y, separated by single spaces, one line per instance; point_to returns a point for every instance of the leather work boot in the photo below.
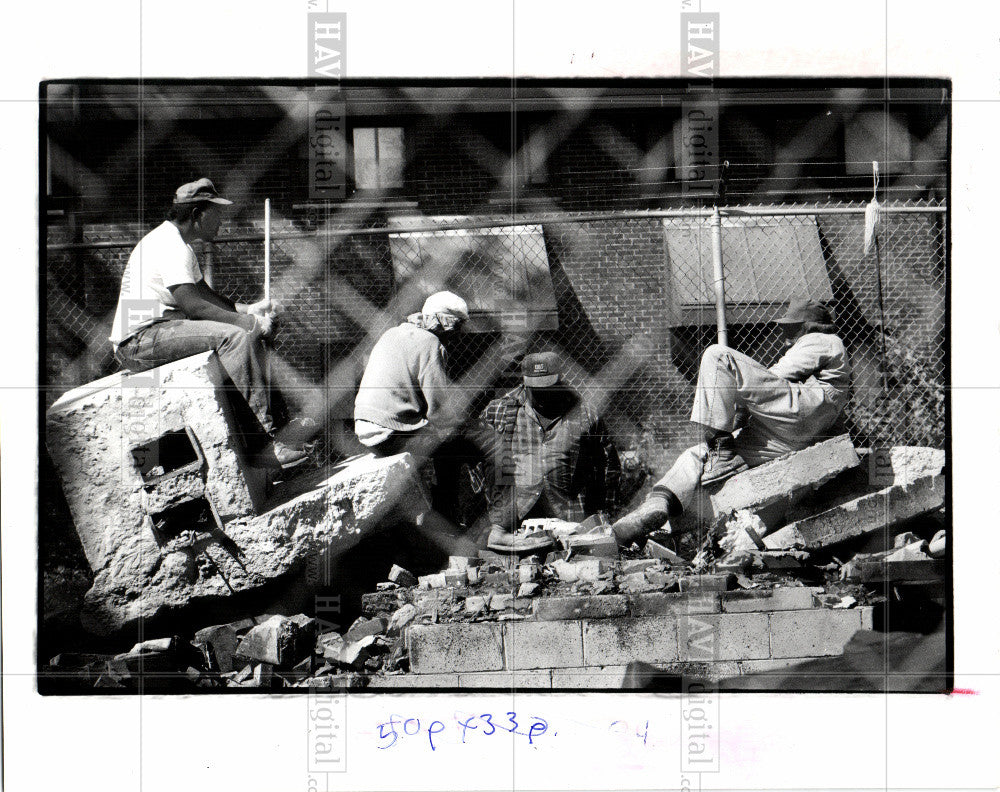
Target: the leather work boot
pixel 723 461
pixel 503 541
pixel 635 526
pixel 278 456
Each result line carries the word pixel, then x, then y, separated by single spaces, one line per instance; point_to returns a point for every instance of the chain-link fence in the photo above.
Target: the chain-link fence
pixel 627 297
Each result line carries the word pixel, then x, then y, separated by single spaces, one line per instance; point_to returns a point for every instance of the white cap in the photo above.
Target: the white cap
pixel 445 302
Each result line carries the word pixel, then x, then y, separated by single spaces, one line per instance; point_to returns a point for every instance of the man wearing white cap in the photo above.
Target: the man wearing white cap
pixel 181 315
pixel 402 402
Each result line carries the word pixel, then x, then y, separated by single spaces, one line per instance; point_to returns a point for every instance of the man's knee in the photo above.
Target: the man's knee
pixel 715 351
pixel 235 339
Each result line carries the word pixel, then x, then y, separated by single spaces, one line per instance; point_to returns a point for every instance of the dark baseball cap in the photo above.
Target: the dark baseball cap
pixel 541 369
pixel 802 309
pixel 197 192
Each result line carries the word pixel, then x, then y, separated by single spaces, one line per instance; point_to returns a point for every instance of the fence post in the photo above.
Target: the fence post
pixel 719 277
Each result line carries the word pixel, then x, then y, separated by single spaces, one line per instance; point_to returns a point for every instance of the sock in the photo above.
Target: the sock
pixel 670 504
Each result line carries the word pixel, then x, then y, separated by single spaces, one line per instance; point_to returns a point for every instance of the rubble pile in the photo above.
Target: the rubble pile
pixel 741 560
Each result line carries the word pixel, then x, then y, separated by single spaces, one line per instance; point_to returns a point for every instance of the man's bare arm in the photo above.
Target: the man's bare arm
pixel 200 301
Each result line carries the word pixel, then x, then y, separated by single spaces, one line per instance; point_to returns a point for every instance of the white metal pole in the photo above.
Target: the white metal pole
pixel 719 276
pixel 267 248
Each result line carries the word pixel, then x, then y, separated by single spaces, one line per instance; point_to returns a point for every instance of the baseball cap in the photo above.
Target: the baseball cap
pixel 802 309
pixel 198 191
pixel 541 369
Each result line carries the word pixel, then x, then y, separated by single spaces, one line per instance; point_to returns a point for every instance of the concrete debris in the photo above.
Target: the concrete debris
pixel 278 641
pixel 656 550
pixel 905 538
pixel 938 544
pixel 910 552
pixel 402 576
pixel 401 618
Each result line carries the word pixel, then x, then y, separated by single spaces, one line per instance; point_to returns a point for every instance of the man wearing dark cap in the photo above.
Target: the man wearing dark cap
pixel 181 315
pixel 789 407
pixel 552 455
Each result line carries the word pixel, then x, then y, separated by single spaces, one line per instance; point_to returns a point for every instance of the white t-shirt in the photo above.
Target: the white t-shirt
pixel 161 259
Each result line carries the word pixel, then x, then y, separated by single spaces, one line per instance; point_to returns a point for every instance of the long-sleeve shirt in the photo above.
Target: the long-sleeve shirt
pixel 566 465
pixel 820 359
pixel 405 385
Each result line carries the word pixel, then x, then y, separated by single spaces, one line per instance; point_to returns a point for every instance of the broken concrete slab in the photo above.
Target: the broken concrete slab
pixel 876 511
pixel 143 580
pixel 582 607
pixel 278 641
pixel 221 639
pixel 155 439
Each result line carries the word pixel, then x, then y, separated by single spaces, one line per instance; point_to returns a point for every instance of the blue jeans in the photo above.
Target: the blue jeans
pixel 241 354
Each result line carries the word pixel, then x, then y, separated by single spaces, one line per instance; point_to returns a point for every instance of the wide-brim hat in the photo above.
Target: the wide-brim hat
pixel 199 192
pixel 803 309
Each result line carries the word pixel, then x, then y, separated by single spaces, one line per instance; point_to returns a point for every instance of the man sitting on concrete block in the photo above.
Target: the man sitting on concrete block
pixel 786 408
pixel 166 311
pixel 551 453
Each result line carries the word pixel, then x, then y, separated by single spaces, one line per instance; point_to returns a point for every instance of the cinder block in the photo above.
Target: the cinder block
pixel 407 681
pixel 777 599
pixel 771 665
pixel 542 644
pixel 619 641
pixel 876 511
pixel 582 607
pixel 121 445
pixel 726 636
pixel 507 680
pixel 812 633
pixel 660 604
pixel 723 582
pixel 448 648
pixel 607 677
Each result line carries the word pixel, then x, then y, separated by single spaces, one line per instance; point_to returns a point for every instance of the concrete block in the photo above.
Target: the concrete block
pixel 660 604
pixel 409 681
pixel 121 443
pixel 581 607
pixel 375 602
pixel 364 627
pixel 787 477
pixel 278 641
pixel 771 665
pixel 875 511
pixel 902 571
pixel 507 680
pixel 551 644
pixel 724 636
pixel 723 582
pixel 812 633
pixel 476 604
pixel 222 641
pixel 635 583
pixel 402 576
pixel 454 648
pixel 619 641
pixel 606 677
pixel 777 599
pixel 143 579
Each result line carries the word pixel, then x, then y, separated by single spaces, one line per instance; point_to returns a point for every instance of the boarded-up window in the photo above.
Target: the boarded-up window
pixel 378 158
pixel 501 271
pixel 766 260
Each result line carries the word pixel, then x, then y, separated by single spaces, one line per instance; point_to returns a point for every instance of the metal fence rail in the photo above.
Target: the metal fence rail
pixel 626 296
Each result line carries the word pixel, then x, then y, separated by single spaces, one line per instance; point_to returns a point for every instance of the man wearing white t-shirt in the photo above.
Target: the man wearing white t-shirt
pixel 188 316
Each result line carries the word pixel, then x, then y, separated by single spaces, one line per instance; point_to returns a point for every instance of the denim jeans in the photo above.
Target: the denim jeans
pixel 241 354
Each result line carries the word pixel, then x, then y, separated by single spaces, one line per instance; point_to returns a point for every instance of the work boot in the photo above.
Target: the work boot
pixel 278 456
pixel 635 526
pixel 723 461
pixel 503 541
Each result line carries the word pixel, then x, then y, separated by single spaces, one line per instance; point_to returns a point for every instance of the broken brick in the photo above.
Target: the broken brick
pixel 723 582
pixel 402 577
pixel 277 641
pixel 656 550
pixel 401 618
pixel 434 581
pixel 527 589
pixel 221 640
